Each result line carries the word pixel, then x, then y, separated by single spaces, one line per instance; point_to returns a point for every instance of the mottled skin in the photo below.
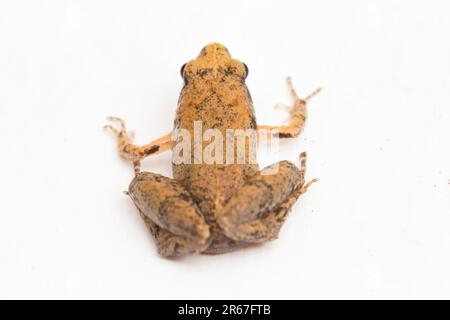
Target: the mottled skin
pixel 214 208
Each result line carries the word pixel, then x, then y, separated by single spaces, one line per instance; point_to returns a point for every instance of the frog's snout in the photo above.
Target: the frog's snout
pixel 215 49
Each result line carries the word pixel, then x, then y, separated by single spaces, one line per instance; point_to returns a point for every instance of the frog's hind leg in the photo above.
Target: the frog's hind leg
pixel 132 152
pixel 298 113
pixel 258 210
pixel 168 243
pixel 170 213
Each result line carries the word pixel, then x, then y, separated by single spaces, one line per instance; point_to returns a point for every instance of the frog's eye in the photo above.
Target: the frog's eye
pixel 246 70
pixel 182 70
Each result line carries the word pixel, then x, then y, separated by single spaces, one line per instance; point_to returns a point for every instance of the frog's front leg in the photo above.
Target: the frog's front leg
pixel 135 153
pixel 298 113
pixel 272 196
pixel 170 213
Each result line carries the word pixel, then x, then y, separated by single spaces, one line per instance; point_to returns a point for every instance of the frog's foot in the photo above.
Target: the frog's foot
pixel 298 114
pixel 273 196
pixel 302 168
pixel 124 139
pixel 170 213
pixel 134 153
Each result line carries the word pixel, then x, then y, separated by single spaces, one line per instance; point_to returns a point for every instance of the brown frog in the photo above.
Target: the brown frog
pixel 219 207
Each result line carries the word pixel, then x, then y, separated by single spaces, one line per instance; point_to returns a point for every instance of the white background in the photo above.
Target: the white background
pixel 377 225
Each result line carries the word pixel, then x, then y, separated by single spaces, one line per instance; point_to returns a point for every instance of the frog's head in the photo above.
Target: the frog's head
pixel 214 61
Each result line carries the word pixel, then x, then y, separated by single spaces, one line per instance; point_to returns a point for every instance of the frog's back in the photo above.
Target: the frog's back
pixel 220 106
pixel 214 97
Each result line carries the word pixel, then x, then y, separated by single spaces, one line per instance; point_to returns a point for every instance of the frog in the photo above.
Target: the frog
pixel 215 208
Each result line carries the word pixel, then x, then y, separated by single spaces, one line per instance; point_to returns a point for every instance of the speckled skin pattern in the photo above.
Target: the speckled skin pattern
pixel 215 208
